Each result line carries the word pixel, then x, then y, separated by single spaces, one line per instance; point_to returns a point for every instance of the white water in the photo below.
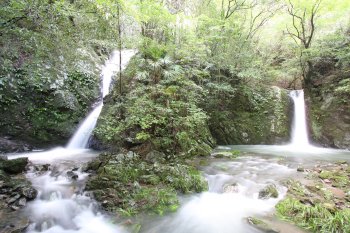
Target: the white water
pixel 61 205
pixel 81 136
pixel 299 129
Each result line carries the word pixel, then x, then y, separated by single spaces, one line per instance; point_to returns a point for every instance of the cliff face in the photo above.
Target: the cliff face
pixel 330 110
pixel 258 115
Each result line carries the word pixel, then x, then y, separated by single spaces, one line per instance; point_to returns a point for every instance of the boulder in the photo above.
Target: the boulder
pixel 231 188
pixel 270 191
pixel 72 175
pixel 14 166
pixel 155 156
pixel 30 193
pixel 261 225
pixel 9 146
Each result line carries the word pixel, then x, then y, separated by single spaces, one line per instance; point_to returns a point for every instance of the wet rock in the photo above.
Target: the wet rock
pixel 14 166
pixel 218 155
pixel 42 168
pixel 325 174
pixel 231 188
pixel 261 225
pixel 300 169
pixel 269 191
pixel 9 146
pixel 18 225
pixel 14 208
pixel 30 193
pixel 22 202
pixel 13 199
pixel 72 175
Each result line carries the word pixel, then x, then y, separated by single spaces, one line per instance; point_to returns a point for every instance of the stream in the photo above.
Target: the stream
pixel 62 206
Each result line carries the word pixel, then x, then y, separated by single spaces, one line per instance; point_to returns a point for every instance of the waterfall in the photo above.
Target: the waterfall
pixel 299 128
pixel 81 136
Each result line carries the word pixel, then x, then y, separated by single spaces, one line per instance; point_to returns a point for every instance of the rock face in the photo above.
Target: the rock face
pixel 253 116
pixel 9 146
pixel 329 104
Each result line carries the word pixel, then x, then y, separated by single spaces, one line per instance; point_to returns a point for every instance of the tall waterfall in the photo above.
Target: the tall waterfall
pixel 299 128
pixel 81 136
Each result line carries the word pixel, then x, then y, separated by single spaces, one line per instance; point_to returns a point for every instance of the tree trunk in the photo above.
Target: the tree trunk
pixel 120 51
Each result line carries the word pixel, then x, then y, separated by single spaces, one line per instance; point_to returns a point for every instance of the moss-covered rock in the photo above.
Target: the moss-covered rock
pixel 14 166
pixel 130 184
pixel 270 191
pixel 261 225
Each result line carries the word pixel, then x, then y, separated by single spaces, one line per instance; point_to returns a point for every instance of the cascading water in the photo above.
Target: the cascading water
pixel 299 137
pixel 232 197
pixel 81 136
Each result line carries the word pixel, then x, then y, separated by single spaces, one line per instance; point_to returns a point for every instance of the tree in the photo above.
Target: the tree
pixel 302 32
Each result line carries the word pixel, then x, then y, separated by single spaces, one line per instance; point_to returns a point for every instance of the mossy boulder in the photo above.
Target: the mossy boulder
pixel 270 191
pixel 14 166
pixel 261 225
pixel 128 184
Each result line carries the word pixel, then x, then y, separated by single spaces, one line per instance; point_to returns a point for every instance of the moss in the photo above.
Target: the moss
pixel 338 178
pixel 325 175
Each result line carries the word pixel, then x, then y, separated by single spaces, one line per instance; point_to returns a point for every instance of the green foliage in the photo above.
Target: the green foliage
pixel 316 218
pixel 152 50
pixel 161 110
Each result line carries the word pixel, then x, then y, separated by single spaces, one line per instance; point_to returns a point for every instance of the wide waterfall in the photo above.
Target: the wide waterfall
pixel 81 137
pixel 299 135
